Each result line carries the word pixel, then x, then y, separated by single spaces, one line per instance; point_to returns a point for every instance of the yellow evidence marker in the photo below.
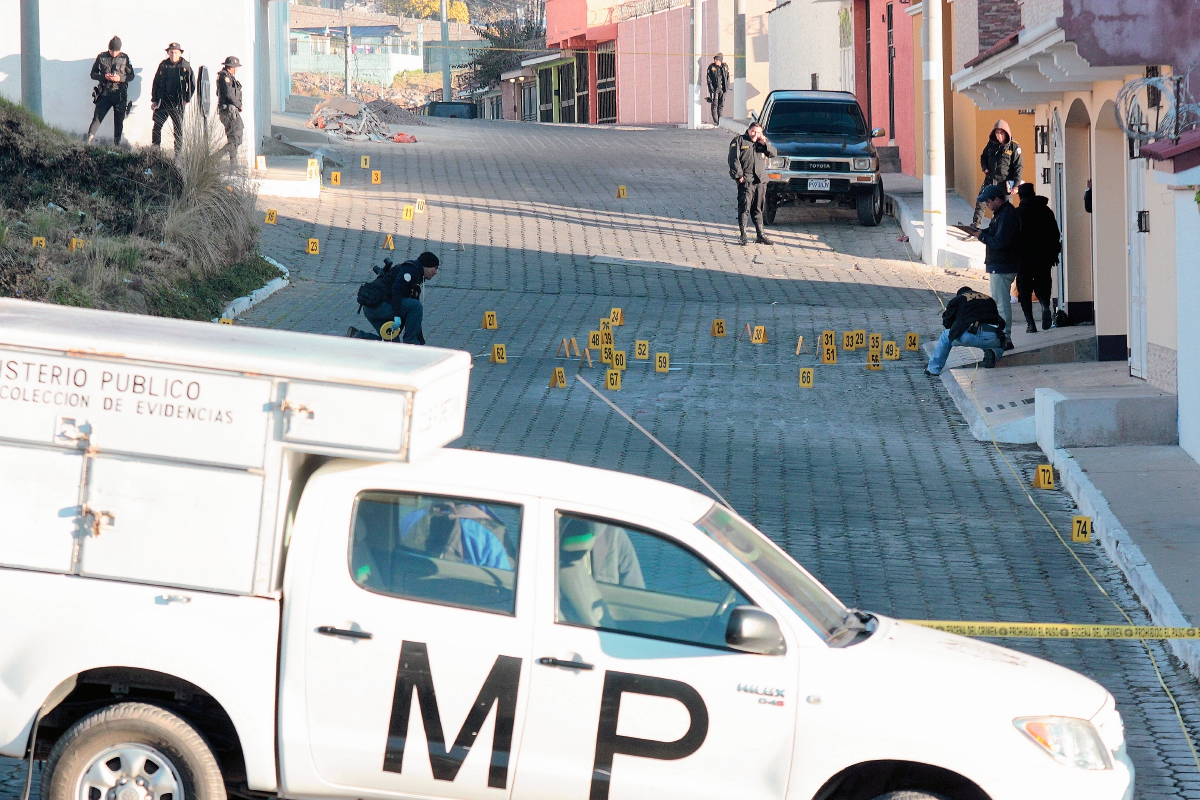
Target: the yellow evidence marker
pixel 828 339
pixel 605 324
pixel 225 321
pixel 606 338
pixel 606 354
pixel 366 162
pixel 564 348
pixel 376 177
pixel 272 216
pixel 891 351
pixel 622 193
pixel 799 345
pixel 1044 477
pixel 911 341
pixel 490 323
pixel 335 179
pixel 874 362
pixel 662 362
pixel 314 247
pixel 618 361
pixel 593 340
pixel 314 170
pixel 612 380
pixel 828 354
pixel 848 341
pixel 559 379
pixel 641 349
pixel 407 216
pixel 875 341
pixel 39 241
pixel 388 243
pixel 420 205
pixel 499 354
pixel 718 328
pixel 806 378
pixel 860 338
pixel 76 244
pixel 616 317
pixel 1081 529
pixel 759 336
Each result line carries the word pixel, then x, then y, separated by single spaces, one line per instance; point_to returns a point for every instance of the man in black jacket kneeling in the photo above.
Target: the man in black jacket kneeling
pixel 970 320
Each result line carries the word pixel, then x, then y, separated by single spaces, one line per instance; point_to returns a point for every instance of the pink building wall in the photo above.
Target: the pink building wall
pixel 652 67
pixel 873 13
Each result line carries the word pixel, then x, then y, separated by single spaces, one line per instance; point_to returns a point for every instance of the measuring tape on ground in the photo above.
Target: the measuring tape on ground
pixel 1041 630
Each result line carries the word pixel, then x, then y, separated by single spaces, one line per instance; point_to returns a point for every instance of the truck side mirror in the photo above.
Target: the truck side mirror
pixel 752 630
pixel 878 132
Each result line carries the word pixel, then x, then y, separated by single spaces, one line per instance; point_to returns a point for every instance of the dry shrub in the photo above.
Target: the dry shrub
pixel 212 219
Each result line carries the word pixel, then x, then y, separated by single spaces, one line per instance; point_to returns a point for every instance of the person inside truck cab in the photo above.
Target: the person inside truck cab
pixel 453 531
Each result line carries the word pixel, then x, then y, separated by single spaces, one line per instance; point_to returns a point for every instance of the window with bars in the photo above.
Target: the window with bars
pixel 606 83
pixel 582 89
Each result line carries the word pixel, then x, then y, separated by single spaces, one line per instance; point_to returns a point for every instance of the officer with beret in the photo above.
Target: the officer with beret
pixel 229 107
pixel 174 85
pixel 112 73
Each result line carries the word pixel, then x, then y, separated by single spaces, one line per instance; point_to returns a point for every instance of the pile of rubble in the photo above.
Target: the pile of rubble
pixel 392 114
pixel 352 121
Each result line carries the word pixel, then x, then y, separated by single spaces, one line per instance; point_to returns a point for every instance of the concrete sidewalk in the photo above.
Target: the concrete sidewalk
pixel 907 196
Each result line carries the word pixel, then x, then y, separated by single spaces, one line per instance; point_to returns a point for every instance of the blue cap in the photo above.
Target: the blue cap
pixel 991 192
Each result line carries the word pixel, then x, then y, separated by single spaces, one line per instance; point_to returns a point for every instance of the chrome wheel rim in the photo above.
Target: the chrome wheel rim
pixel 130 772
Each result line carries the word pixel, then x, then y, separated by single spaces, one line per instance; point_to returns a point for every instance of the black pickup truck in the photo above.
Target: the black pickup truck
pixel 825 153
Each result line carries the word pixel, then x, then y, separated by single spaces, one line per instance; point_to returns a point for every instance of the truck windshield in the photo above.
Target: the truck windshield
pixel 790 117
pixel 819 609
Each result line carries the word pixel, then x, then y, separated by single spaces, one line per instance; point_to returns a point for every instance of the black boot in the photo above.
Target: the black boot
pixel 742 240
pixel 761 238
pixel 1047 319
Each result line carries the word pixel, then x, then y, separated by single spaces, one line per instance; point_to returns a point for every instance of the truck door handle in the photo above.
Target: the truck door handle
pixel 329 630
pixel 547 661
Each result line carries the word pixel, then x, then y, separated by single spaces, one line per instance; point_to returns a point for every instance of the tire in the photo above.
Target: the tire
pixel 769 214
pixel 909 795
pixel 870 207
pixel 140 737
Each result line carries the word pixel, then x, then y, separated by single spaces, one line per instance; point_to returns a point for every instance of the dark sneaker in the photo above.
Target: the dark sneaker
pixel 1047 319
pixel 989 359
pixel 1008 345
pixel 1030 327
pixel 352 332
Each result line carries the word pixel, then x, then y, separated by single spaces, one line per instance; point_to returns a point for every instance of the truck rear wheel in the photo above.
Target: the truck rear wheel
pixel 132 751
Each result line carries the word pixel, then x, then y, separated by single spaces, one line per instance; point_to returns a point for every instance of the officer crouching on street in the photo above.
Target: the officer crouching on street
pixel 402 309
pixel 748 156
pixel 229 107
pixel 174 85
pixel 112 72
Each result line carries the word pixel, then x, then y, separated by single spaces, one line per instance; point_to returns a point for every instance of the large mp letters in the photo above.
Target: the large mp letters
pixel 500 689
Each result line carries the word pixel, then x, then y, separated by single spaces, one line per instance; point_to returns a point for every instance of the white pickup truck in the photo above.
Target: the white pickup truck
pixel 238 562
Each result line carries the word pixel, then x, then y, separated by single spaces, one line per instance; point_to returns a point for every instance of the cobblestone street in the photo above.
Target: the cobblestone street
pixel 870 480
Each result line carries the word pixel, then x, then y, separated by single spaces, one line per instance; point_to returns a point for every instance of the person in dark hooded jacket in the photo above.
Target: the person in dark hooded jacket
pixel 971 319
pixel 1001 164
pixel 1039 244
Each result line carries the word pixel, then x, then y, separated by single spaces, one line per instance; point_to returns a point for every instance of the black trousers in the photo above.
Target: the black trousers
pixel 175 112
pixel 752 201
pixel 232 120
pixel 716 106
pixel 115 101
pixel 1035 280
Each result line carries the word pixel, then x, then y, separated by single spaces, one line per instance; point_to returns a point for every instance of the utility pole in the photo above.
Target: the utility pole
pixel 739 60
pixel 31 56
pixel 694 120
pixel 446 96
pixel 346 42
pixel 934 179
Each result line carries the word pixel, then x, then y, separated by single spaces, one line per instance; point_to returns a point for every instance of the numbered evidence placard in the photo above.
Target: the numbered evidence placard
pixel 806 378
pixel 612 380
pixel 641 349
pixel 499 354
pixel 662 362
pixel 618 361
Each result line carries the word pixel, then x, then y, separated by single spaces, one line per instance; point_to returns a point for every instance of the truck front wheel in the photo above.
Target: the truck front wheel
pixel 132 751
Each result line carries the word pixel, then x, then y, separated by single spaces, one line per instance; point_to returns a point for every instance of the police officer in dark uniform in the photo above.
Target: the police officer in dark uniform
pixel 405 311
pixel 1001 164
pixel 748 156
pixel 174 85
pixel 112 73
pixel 229 107
pixel 718 85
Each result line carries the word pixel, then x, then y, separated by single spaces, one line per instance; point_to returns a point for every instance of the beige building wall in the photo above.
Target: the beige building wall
pixel 758 54
pixel 1110 214
pixel 966 33
pixel 1040 12
pixel 1162 318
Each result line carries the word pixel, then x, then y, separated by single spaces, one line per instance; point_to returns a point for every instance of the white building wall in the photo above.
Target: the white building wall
pixel 74 32
pixel 803 37
pixel 1187 266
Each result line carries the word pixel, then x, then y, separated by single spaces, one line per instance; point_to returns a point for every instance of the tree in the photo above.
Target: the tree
pixel 428 9
pixel 457 12
pixel 510 41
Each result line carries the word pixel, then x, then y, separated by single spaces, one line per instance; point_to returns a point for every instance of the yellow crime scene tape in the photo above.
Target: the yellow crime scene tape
pixel 1047 630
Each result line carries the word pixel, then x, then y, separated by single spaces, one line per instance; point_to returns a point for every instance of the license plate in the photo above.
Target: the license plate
pixel 818 184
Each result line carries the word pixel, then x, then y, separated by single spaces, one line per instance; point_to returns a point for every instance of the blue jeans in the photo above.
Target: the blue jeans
pixel 984 340
pixel 411 314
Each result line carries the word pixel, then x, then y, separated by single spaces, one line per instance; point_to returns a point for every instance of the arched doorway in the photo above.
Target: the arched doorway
pixel 1109 263
pixel 1077 222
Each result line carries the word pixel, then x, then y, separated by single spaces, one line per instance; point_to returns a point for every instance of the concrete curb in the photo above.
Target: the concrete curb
pixel 1018 432
pixel 241 305
pixel 946 258
pixel 1119 546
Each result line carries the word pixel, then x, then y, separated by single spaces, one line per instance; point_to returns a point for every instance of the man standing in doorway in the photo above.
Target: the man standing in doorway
pixel 1001 165
pixel 174 85
pixel 1041 244
pixel 229 107
pixel 112 72
pixel 748 156
pixel 718 85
